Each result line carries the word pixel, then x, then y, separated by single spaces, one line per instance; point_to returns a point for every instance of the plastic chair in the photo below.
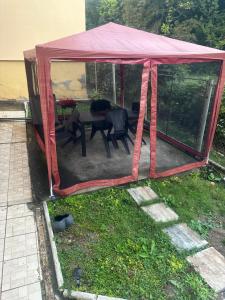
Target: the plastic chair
pixel 118 119
pixel 132 125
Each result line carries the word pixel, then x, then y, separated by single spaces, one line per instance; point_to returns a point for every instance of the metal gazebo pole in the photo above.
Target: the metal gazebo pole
pixel 114 82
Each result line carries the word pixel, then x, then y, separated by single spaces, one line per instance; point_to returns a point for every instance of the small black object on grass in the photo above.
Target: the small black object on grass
pixel 77 275
pixel 62 222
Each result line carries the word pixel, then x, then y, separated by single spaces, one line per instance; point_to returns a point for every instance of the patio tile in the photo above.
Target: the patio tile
pixel 19 226
pixel 184 238
pixel 20 210
pixel 2 229
pixel 2 242
pixel 21 245
pixel 211 266
pixel 1 265
pixel 3 198
pixel 19 178
pixel 19 132
pixel 5 132
pixel 3 211
pixel 4 185
pixel 27 292
pixel 159 212
pixel 13 200
pixel 20 271
pixel 142 194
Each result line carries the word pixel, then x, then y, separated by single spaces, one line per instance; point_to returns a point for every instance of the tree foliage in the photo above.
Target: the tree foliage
pixel 198 21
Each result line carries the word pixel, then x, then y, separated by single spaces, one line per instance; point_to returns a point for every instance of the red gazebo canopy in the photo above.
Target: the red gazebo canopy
pixel 121 45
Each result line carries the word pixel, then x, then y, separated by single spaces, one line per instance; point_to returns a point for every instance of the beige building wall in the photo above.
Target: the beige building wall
pixel 26 23
pixel 69 80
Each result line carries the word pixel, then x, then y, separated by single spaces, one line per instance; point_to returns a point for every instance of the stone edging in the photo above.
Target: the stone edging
pixel 58 271
pixel 67 293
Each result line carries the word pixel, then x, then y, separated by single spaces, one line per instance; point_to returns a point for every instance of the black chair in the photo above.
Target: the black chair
pixel 132 124
pixel 69 129
pixel 100 106
pixel 118 119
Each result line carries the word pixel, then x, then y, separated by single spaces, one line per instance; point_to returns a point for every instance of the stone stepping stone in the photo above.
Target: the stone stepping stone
pixel 142 194
pixel 160 212
pixel 184 238
pixel 211 266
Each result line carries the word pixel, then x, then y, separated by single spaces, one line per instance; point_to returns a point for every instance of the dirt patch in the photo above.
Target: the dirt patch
pixel 216 238
pixel 38 167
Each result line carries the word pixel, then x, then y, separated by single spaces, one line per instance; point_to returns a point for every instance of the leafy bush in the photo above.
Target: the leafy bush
pixel 219 141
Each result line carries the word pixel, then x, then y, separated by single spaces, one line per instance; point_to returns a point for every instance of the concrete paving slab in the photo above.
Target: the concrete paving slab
pixel 1 266
pixel 2 229
pixel 21 245
pixel 19 226
pixel 27 292
pixel 19 257
pixel 159 212
pixel 13 200
pixel 3 199
pixel 19 132
pixel 184 238
pixel 20 271
pixel 20 210
pixel 5 132
pixel 211 266
pixel 3 211
pixel 2 243
pixel 142 194
pixel 4 185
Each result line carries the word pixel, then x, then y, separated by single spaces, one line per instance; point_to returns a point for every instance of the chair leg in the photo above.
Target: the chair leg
pixel 106 144
pixel 130 139
pixel 93 132
pixel 124 141
pixel 114 142
pixel 69 140
pixel 144 142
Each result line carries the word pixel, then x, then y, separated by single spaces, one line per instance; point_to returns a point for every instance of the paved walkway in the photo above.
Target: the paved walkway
pixel 20 272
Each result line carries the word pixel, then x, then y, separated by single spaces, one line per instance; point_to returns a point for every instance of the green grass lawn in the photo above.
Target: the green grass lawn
pixel 123 253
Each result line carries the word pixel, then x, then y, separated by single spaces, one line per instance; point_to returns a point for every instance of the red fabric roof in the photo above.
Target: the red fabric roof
pixel 117 41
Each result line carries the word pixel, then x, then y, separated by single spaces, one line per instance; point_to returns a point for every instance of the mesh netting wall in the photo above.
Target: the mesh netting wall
pixel 102 81
pixel 99 80
pixel 217 153
pixel 34 97
pixel 185 97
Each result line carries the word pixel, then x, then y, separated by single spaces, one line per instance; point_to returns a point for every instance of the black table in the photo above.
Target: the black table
pixel 87 118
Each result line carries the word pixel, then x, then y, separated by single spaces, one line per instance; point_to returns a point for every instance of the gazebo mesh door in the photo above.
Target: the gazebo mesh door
pixel 185 100
pixel 103 81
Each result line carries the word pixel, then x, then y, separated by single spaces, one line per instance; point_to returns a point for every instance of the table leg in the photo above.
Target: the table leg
pixel 83 140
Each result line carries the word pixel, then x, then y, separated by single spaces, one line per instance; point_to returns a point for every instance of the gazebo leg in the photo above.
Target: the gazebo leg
pixel 52 196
